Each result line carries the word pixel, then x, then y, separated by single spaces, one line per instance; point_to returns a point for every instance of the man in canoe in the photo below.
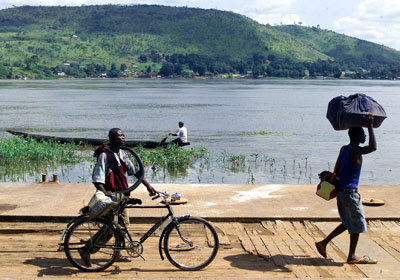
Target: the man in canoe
pixel 181 132
pixel 109 175
pixel 348 199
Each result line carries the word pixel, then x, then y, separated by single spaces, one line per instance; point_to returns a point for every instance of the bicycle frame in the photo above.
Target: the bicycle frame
pixel 123 229
pixel 174 221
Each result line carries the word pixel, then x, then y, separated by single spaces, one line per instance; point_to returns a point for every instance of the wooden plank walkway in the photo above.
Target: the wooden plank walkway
pixel 268 249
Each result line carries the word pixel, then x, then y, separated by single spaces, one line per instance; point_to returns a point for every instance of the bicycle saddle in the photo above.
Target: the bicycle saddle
pixel 134 201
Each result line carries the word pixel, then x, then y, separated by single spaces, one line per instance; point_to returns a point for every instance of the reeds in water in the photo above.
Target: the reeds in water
pixel 19 156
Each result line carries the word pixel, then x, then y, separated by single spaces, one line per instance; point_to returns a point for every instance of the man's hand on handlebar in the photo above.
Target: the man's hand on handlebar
pixel 150 189
pixel 165 195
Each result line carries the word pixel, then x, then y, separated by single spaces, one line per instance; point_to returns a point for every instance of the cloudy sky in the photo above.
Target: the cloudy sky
pixel 373 20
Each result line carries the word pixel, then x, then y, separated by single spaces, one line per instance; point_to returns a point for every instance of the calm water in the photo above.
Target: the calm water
pixel 301 143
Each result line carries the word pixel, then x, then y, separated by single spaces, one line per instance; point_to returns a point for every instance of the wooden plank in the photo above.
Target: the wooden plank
pixel 325 267
pixel 262 251
pixel 375 223
pixel 395 225
pixel 387 265
pixel 27 261
pixel 313 260
pixel 279 239
pixel 222 236
pixel 244 239
pixel 388 237
pixel 32 253
pixel 276 255
pixel 299 250
pixel 371 225
pixel 231 234
pixel 387 224
pixel 392 249
pixel 337 255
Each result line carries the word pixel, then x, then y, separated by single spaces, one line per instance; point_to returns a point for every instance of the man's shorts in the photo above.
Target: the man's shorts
pixel 351 212
pixel 125 216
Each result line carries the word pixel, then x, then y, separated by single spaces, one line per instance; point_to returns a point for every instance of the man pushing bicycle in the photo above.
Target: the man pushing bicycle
pixel 109 176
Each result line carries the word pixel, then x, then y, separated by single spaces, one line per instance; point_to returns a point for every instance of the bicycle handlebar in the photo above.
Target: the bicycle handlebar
pixel 164 195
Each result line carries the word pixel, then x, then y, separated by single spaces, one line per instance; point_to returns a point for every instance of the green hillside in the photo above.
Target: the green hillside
pixel 146 40
pixel 342 48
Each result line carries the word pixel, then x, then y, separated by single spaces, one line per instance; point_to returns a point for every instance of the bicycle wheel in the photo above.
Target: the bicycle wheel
pixel 192 245
pixel 92 245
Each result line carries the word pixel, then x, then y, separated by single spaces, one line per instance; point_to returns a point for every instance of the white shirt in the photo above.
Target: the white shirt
pixel 182 134
pixel 103 167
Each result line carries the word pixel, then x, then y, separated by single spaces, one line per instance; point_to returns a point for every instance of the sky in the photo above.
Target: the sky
pixel 377 21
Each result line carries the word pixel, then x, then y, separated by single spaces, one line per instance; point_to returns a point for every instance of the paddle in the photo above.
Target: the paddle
pixel 165 139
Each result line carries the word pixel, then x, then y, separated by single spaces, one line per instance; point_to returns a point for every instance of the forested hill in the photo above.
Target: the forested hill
pixel 114 40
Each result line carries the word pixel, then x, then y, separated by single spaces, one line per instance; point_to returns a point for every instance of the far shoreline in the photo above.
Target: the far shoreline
pixel 198 78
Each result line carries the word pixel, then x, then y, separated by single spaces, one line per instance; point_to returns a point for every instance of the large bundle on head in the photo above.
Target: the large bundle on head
pixel 345 112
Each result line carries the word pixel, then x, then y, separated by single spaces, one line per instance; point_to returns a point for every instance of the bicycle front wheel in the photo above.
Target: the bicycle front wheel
pixel 92 245
pixel 192 244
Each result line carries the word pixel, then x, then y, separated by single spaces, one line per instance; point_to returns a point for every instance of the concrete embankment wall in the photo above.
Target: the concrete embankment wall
pixel 217 202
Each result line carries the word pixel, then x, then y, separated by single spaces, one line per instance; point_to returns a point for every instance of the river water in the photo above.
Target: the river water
pixel 221 115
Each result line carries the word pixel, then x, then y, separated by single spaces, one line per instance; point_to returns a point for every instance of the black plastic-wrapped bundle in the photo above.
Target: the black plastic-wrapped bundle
pixel 345 112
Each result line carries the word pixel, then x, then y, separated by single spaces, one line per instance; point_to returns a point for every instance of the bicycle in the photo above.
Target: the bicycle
pixel 189 243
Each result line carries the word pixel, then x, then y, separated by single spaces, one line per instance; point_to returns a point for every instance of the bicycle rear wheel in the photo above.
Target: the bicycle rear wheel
pixel 92 245
pixel 192 244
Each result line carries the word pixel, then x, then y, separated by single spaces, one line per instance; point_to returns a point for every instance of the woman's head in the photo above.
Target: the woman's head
pixel 357 135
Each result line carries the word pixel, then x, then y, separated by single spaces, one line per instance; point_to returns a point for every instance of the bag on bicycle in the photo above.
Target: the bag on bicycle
pixel 100 204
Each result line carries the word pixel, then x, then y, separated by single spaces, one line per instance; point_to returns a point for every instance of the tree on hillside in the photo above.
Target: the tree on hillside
pixel 143 58
pixel 200 68
pixel 33 60
pixel 3 72
pixel 178 69
pixel 256 71
pixel 155 57
pixel 167 70
pixel 113 73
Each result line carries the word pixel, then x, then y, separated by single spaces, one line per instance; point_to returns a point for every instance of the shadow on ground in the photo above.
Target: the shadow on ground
pixel 53 266
pixel 62 267
pixel 254 262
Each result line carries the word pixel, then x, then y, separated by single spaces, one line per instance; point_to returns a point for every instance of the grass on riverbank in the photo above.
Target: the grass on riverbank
pixel 171 157
pixel 256 163
pixel 19 156
pixel 26 160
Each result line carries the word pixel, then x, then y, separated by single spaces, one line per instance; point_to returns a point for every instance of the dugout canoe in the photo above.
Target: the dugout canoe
pixel 91 141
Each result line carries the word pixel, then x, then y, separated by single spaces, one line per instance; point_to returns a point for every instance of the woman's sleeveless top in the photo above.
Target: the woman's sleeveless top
pixel 349 175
